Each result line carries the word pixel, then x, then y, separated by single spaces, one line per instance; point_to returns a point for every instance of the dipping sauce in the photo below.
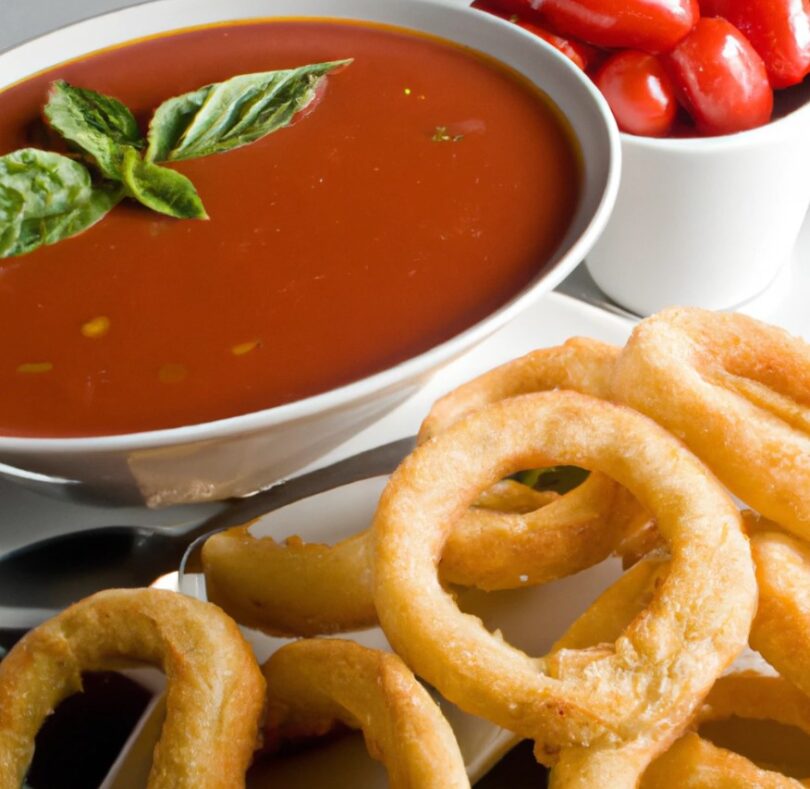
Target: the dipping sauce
pixel 426 189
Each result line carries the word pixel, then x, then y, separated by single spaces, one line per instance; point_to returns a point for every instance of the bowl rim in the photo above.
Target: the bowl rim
pixel 759 135
pixel 411 368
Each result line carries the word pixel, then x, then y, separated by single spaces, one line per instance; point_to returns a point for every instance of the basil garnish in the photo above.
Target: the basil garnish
pixel 161 189
pixel 99 125
pixel 227 115
pixel 560 479
pixel 107 131
pixel 48 183
pixel 35 232
pixel 11 204
pixel 45 197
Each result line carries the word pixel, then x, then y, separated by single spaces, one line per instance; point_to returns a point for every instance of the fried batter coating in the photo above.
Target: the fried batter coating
pixel 314 683
pixel 600 714
pixel 215 694
pixel 737 391
pixel 511 538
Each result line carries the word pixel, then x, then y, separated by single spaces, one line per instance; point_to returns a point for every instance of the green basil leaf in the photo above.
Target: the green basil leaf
pixel 45 197
pixel 49 183
pixel 226 115
pixel 31 232
pixel 160 188
pixel 11 205
pixel 97 124
pixel 560 479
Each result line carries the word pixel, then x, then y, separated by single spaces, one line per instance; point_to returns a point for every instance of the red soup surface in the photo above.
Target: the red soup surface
pixel 427 188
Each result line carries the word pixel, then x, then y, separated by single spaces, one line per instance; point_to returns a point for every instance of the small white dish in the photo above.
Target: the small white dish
pixel 707 221
pixel 239 455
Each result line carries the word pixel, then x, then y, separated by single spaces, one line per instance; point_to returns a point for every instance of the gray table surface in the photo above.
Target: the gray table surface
pixel 24 19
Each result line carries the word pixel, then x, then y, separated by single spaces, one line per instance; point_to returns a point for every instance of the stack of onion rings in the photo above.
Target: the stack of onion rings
pixel 599 714
pixel 302 589
pixel 215 694
pixel 619 698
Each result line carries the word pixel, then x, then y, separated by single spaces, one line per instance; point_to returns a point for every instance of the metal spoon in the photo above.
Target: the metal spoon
pixel 52 573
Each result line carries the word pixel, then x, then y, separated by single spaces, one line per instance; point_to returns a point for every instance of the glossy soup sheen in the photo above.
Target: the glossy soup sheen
pixel 336 248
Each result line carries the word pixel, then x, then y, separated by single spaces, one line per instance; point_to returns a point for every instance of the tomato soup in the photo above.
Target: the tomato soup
pixel 427 188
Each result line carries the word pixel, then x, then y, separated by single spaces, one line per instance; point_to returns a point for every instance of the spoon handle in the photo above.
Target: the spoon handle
pixel 379 460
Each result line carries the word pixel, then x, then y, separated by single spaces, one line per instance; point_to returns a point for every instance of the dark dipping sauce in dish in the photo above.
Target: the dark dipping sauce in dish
pixel 426 189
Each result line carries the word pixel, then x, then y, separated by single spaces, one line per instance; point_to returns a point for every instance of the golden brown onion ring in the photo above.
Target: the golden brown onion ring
pixel 290 588
pixel 501 550
pixel 215 692
pixel 695 763
pixel 295 588
pixel 738 393
pixel 580 364
pixel 305 589
pixel 313 684
pixel 692 762
pixel 781 628
pixel 755 696
pixel 603 713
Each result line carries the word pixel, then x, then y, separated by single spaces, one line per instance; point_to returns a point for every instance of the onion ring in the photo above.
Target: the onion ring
pixel 215 693
pixel 291 588
pixel 580 364
pixel 695 763
pixel 313 684
pixel 310 589
pixel 738 393
pixel 594 712
pixel 755 696
pixel 781 628
pixel 306 589
pixel 692 762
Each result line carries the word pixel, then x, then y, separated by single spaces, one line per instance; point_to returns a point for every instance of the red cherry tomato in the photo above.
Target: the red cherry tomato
pixel 720 79
pixel 651 25
pixel 501 8
pixel 491 7
pixel 580 54
pixel 779 30
pixel 639 91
